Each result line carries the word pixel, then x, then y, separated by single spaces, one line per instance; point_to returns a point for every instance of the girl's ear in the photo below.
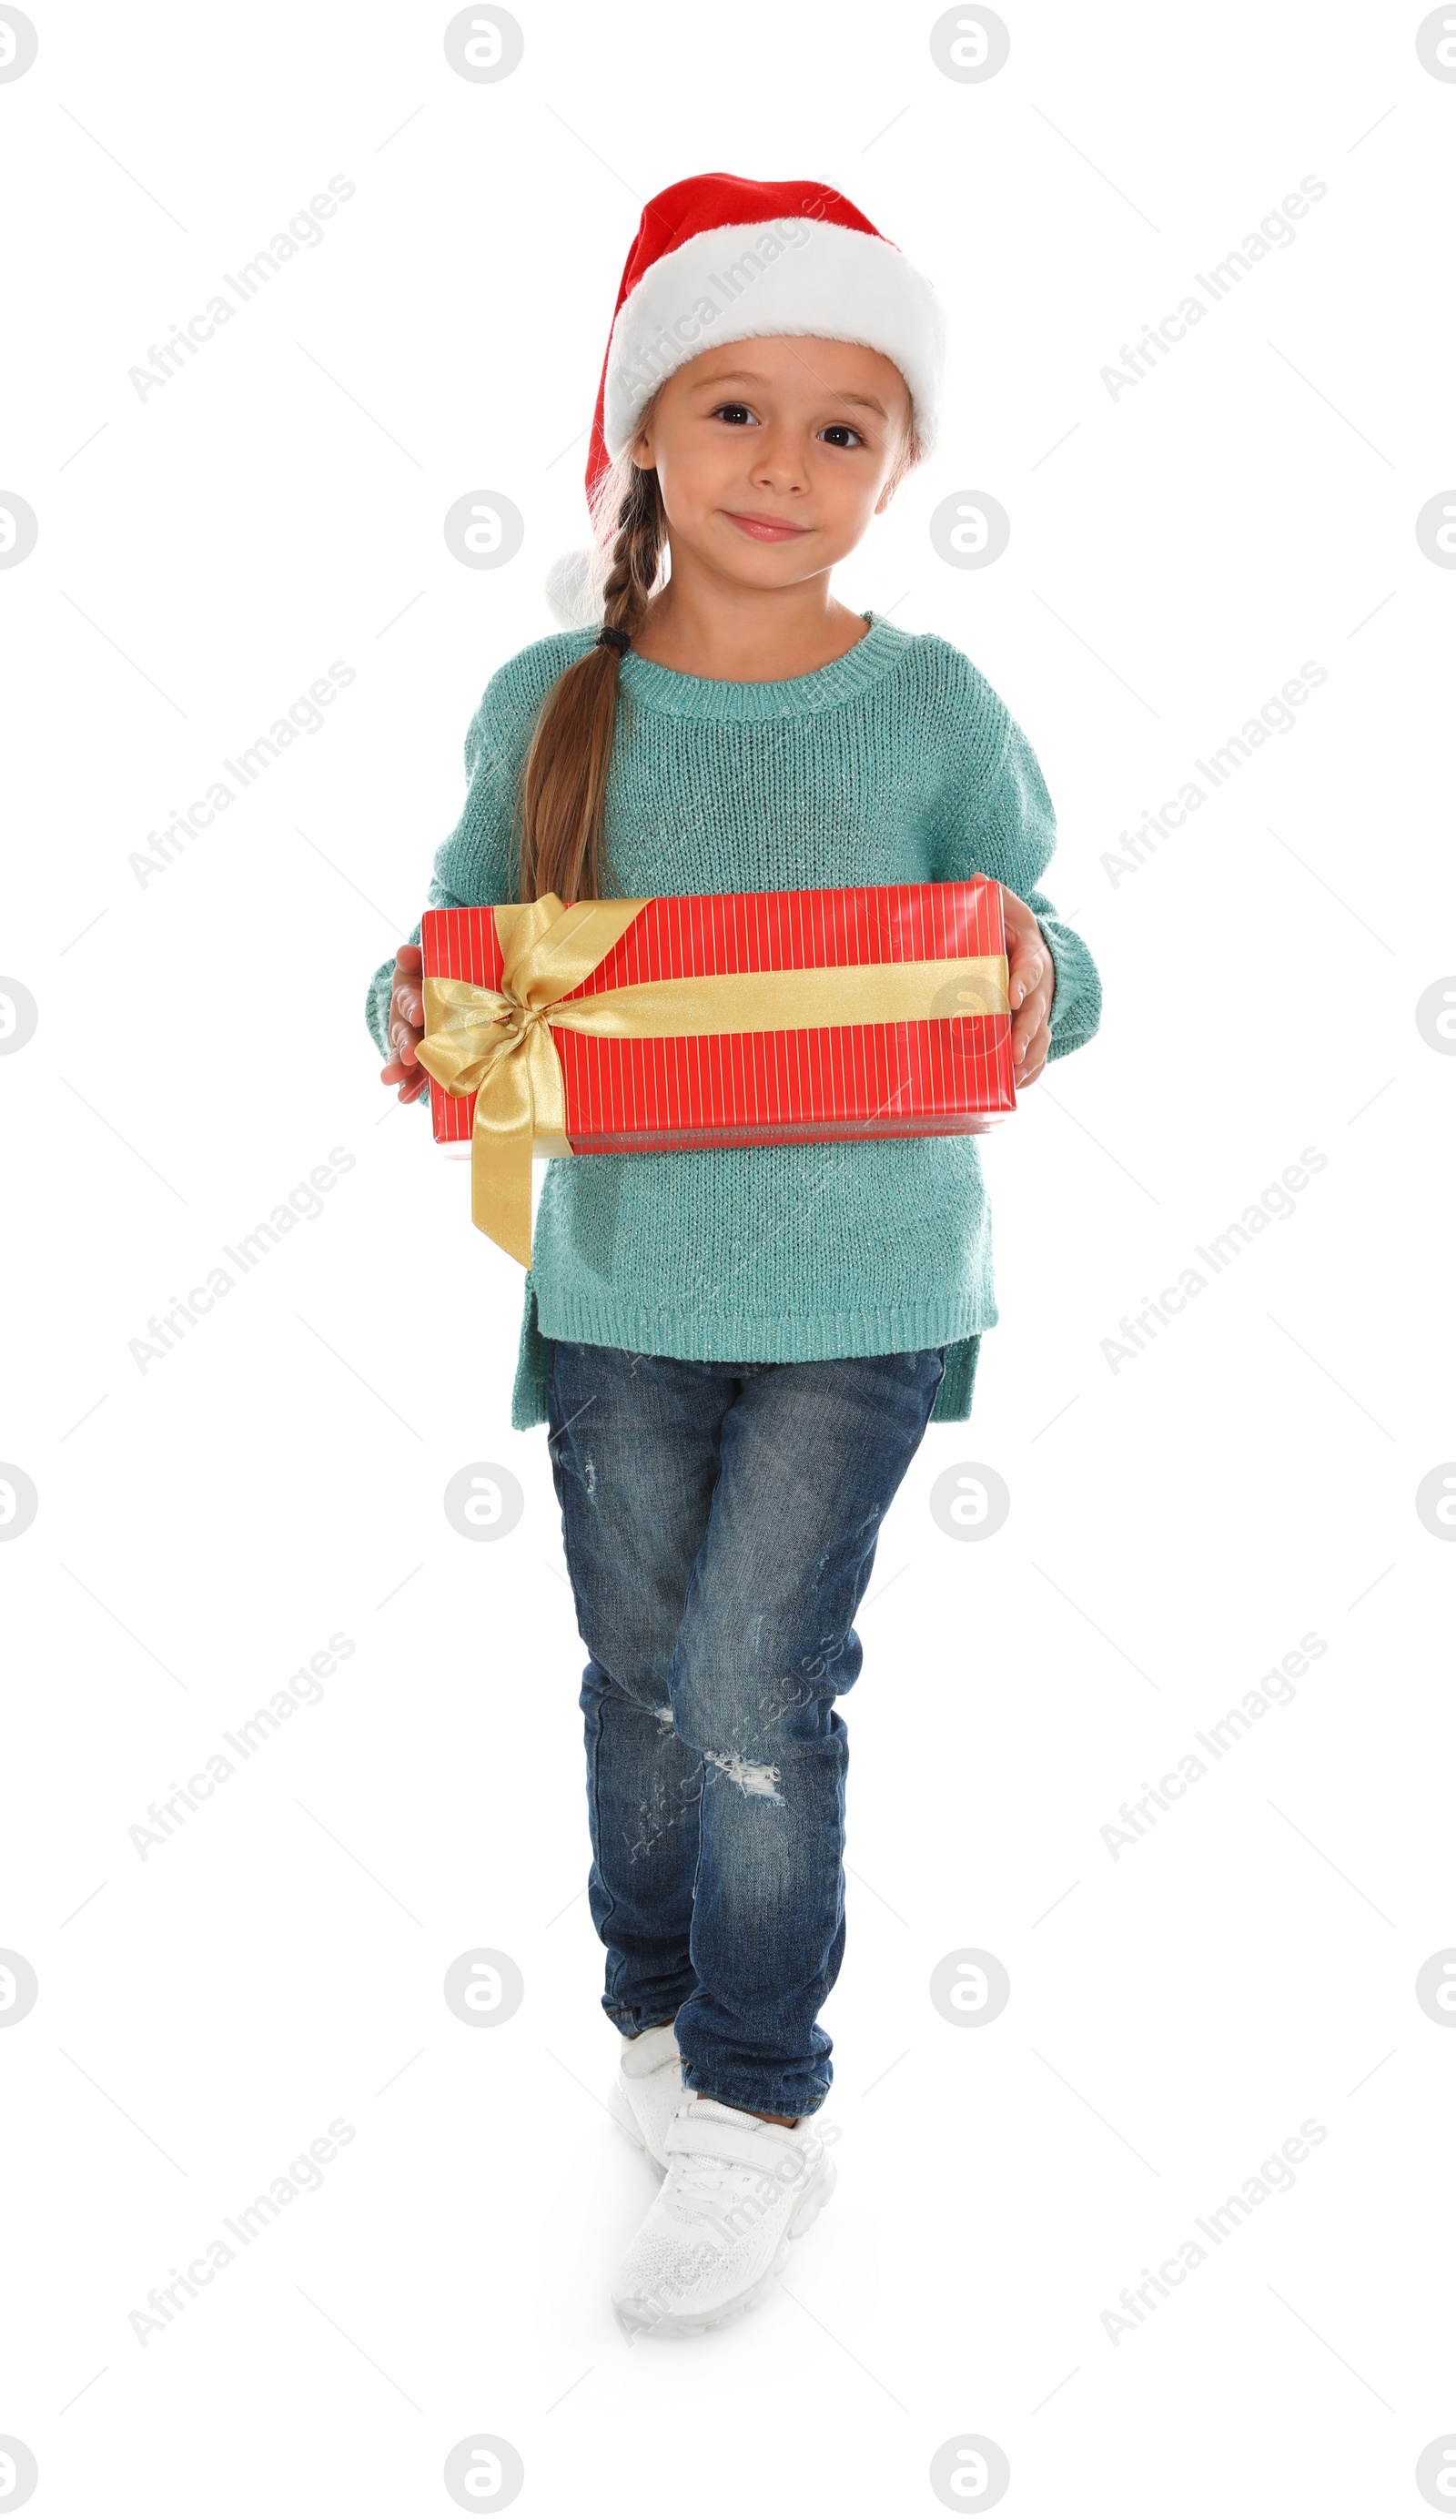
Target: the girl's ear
pixel 641 451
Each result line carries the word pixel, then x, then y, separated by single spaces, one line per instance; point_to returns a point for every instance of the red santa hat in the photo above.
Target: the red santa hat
pixel 721 258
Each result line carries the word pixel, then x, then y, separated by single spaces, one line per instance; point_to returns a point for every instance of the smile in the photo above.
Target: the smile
pixel 766 529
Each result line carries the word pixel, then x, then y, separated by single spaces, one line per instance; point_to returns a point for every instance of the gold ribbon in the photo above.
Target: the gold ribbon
pixel 496 1043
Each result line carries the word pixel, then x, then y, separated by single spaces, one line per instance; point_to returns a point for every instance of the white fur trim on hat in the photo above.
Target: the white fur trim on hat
pixel 571 591
pixel 789 275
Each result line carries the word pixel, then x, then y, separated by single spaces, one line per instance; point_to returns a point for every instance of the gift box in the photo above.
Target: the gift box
pixel 734 1020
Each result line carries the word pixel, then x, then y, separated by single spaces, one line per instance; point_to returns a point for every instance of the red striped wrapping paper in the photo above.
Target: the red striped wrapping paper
pixel 949 1076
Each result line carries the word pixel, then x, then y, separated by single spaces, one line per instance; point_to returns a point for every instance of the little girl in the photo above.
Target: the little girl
pixel 737 1351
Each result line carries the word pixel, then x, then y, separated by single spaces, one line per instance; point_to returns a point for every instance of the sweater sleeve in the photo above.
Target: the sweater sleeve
pixel 473 866
pixel 994 816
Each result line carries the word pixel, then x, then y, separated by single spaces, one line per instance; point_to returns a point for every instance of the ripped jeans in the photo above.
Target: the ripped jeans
pixel 720 1525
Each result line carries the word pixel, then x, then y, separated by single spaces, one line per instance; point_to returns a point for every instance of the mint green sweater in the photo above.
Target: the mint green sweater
pixel 896 764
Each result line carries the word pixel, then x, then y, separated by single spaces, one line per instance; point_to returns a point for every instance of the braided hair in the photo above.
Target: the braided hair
pixel 563 784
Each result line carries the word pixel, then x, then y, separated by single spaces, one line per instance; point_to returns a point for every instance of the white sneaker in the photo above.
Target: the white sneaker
pixel 737 2191
pixel 648 2090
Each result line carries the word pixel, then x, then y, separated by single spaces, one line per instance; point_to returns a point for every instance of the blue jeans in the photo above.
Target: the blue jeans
pixel 720 1525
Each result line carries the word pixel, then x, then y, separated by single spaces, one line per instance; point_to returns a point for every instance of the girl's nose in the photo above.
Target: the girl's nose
pixel 778 457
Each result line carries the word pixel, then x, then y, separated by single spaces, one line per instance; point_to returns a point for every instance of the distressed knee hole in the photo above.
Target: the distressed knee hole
pixel 751 1775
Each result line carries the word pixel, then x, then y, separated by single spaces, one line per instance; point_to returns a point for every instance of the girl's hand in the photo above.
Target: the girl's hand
pixel 1032 981
pixel 407 1025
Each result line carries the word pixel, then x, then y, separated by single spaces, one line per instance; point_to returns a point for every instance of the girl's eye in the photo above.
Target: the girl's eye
pixel 839 433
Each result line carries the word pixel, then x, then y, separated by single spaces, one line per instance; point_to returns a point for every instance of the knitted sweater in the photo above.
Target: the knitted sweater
pixel 895 764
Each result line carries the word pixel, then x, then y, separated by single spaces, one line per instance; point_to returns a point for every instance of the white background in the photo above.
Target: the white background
pixel 1176 1525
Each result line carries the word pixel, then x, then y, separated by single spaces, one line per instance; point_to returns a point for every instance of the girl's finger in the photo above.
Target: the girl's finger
pixel 1031 1056
pixel 1026 955
pixel 1031 1014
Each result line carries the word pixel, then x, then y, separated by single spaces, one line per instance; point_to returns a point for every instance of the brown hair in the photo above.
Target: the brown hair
pixel 563 784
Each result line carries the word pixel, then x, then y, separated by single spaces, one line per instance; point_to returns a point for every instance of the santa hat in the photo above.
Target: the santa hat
pixel 720 258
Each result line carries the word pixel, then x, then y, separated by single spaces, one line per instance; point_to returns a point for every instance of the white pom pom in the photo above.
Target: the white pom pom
pixel 570 591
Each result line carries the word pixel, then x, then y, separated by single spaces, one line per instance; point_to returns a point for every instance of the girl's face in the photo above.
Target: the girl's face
pixel 773 455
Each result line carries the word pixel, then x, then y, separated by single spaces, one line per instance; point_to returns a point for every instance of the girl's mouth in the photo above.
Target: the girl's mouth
pixel 766 529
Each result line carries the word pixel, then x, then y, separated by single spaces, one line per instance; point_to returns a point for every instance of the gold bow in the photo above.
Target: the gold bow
pixel 496 1043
